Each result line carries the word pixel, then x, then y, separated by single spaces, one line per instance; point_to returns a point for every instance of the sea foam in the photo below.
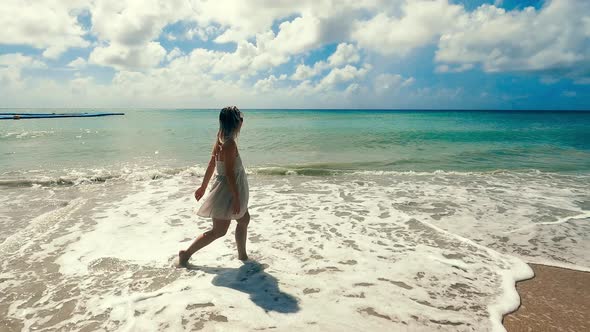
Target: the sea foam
pixel 404 251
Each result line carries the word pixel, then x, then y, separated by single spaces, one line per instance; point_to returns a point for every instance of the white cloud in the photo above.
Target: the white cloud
pixel 124 57
pixel 266 84
pixel 204 33
pixel 243 19
pixel 296 36
pixel 352 89
pixel 552 38
pixel 78 63
pixel 127 31
pixel 248 58
pixel 268 50
pixel 345 74
pixel 51 25
pixel 246 18
pixel 18 60
pixel 11 66
pixel 135 22
pixel 385 83
pixel 409 81
pixel 344 54
pixel 53 52
pixel 10 80
pixel 175 53
pixel 420 23
pixel 304 72
pixel 454 69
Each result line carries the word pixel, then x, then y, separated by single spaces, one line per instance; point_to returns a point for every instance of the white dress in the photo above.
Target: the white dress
pixel 218 204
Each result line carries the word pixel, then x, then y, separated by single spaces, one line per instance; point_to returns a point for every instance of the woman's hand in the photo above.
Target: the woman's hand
pixel 199 193
pixel 235 205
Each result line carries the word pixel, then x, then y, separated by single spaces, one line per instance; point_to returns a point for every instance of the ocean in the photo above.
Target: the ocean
pixel 361 219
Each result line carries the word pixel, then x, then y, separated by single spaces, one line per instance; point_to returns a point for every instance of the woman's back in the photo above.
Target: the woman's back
pixel 220 166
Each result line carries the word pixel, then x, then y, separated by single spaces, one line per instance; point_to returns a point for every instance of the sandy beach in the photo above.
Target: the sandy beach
pixel 556 299
pixel 332 254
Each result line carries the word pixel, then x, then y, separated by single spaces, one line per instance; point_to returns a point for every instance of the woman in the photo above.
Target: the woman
pixel 228 198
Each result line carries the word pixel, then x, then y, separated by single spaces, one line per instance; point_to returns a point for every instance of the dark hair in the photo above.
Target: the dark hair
pixel 229 122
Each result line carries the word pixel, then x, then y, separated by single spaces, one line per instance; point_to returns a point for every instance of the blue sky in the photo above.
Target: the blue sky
pixel 429 54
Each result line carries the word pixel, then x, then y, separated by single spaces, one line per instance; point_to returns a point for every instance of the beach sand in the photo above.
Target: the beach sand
pixel 405 252
pixel 556 299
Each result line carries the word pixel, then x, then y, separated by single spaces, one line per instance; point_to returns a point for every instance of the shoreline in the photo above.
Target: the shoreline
pixel 554 299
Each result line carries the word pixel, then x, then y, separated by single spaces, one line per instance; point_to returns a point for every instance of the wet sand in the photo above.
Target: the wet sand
pixel 556 299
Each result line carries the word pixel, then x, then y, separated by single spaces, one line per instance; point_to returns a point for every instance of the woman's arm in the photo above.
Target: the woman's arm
pixel 208 173
pixel 229 151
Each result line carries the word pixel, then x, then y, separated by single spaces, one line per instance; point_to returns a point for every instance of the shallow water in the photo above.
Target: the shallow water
pixel 88 243
pixel 307 139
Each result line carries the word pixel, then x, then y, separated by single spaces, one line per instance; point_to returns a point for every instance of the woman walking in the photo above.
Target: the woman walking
pixel 228 198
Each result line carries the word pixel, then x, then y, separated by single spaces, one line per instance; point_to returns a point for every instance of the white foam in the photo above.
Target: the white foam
pixel 77 177
pixel 136 225
pixel 42 223
pixel 27 134
pixel 327 232
pixel 407 251
pixel 535 216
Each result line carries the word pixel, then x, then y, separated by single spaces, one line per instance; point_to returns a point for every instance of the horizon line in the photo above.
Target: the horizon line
pixel 307 109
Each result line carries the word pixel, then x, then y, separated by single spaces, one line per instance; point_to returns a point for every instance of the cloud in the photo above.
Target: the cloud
pixel 344 54
pixel 419 23
pixel 345 74
pixel 554 38
pixel 266 84
pixel 128 29
pixel 51 25
pixel 18 60
pixel 270 50
pixel 454 69
pixel 296 36
pixel 11 66
pixel 175 53
pixel 157 51
pixel 387 83
pixel 124 57
pixel 204 33
pixel 135 22
pixel 304 72
pixel 243 19
pixel 78 63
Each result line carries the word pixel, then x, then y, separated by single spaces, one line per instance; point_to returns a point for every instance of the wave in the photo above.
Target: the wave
pixel 26 134
pixel 77 177
pixel 98 176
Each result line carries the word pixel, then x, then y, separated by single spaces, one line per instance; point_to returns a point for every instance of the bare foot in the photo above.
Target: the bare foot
pixel 243 257
pixel 182 258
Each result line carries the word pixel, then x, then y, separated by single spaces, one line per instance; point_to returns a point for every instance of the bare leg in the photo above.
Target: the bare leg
pixel 242 235
pixel 219 229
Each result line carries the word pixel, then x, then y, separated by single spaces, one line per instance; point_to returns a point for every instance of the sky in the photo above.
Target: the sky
pixel 387 54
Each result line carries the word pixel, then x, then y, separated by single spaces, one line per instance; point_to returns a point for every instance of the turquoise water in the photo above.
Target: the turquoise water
pixel 305 141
